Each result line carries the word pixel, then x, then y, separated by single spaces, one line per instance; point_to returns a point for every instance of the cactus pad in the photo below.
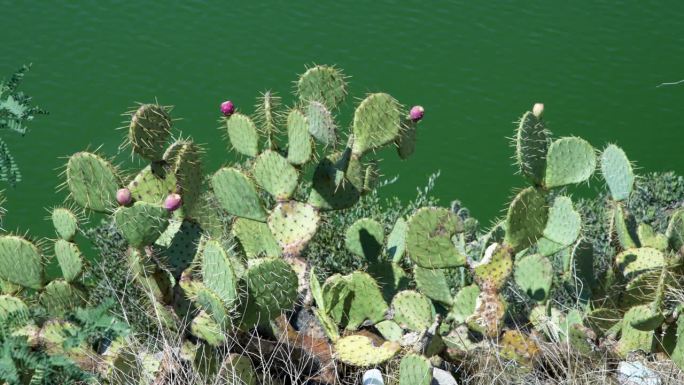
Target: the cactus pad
pixel 367 301
pixel 526 218
pixel 149 131
pixel 332 189
pixel 649 238
pixel 65 223
pixel 142 223
pixel 204 327
pixel 488 316
pixel 69 258
pixel 365 238
pixel 293 224
pixel 321 124
pixel 300 145
pixel 633 262
pixel 494 269
pixel 563 225
pixel 275 175
pixel 569 161
pixel 272 285
pixel 28 273
pixel 92 181
pixel 433 283
pixel 255 238
pixel 179 245
pixel 239 370
pixel 237 195
pixel 531 146
pixel 396 241
pixel 324 84
pixel 464 303
pixel 390 330
pixel 675 230
pixel 183 157
pixel 153 184
pixel 327 324
pixel 13 309
pixel 518 347
pixel 243 134
pixel 412 310
pixel 631 338
pixel 359 350
pixel 428 238
pixel 415 369
pixel 406 142
pixel 217 272
pixel 58 297
pixel 377 122
pixel 617 172
pixel 534 274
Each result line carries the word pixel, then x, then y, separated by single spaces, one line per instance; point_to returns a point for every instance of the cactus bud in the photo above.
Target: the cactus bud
pixel 227 108
pixel 417 113
pixel 123 196
pixel 538 110
pixel 173 202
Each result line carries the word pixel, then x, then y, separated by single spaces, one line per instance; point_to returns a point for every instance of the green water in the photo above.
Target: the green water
pixel 475 66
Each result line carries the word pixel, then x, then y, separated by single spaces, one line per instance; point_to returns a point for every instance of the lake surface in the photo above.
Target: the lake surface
pixel 474 66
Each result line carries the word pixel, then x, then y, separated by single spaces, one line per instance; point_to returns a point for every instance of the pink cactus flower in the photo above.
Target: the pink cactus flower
pixel 416 113
pixel 227 108
pixel 173 202
pixel 123 196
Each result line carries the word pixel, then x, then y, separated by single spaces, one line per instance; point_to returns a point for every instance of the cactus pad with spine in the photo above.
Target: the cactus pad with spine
pixel 29 273
pixel 237 195
pixel 494 269
pixel 564 223
pixel 569 161
pixel 255 238
pixel 183 157
pixel 675 230
pixel 633 262
pixel 59 296
pixel 633 339
pixel 65 223
pixel 488 316
pixel 367 302
pixel 207 300
pixel 625 227
pixel 324 84
pixel 142 223
pixel 377 122
pixel 433 283
pixel 149 131
pixel 300 145
pixel 218 273
pixel 428 238
pixel 321 123
pixel 92 181
pixel 617 172
pixel 413 310
pixel 531 146
pixel 464 303
pixel 526 218
pixel 415 369
pixel 204 327
pixel 534 274
pixel 390 330
pixel 518 347
pixel 69 258
pixel 327 324
pixel 649 238
pixel 153 184
pixel 333 186
pixel 337 297
pixel 239 370
pixel 293 224
pixel 178 244
pixel 365 238
pixel 360 351
pixel 13 310
pixel 243 134
pixel 275 175
pixel 272 285
pixel 396 241
pixel 406 142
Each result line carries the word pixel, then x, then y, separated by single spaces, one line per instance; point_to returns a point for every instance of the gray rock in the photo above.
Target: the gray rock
pixel 372 377
pixel 636 373
pixel 442 377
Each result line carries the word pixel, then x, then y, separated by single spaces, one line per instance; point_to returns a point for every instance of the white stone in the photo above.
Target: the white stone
pixel 635 373
pixel 442 377
pixel 372 377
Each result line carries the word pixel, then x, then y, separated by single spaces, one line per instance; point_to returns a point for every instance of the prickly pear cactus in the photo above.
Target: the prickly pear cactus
pixel 415 369
pixel 92 181
pixel 149 131
pixel 534 274
pixel 428 238
pixel 569 161
pixel 531 145
pixel 29 273
pixel 412 310
pixel 526 218
pixel 272 285
pixel 617 172
pixel 359 350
